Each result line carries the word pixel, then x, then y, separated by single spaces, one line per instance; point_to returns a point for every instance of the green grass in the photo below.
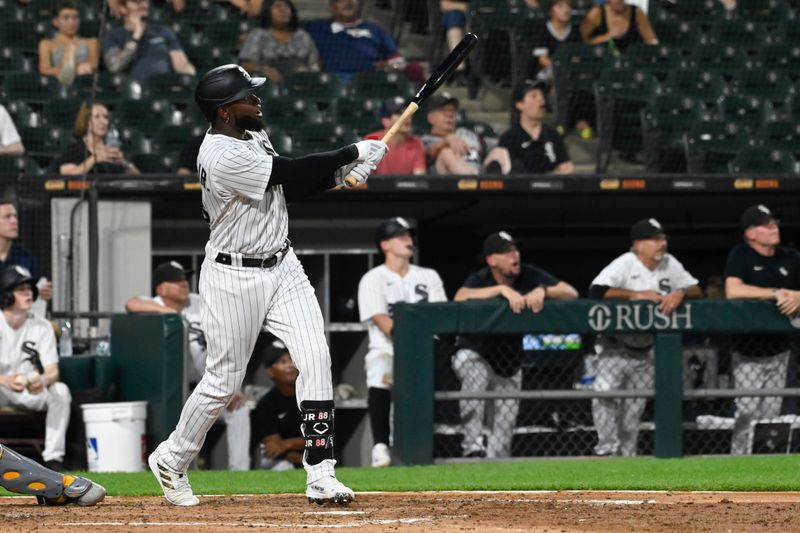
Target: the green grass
pixel 759 473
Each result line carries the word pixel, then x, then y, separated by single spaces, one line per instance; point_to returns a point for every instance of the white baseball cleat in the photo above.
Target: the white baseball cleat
pixel 329 490
pixel 175 485
pixel 381 455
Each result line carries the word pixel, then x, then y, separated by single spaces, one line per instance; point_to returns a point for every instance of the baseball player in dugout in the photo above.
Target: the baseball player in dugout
pixel 171 295
pixel 396 280
pixel 646 272
pixel 493 363
pixel 760 269
pixel 251 278
pixel 29 362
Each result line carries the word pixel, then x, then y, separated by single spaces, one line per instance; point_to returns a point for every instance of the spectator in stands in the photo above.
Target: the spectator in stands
pixel 647 272
pixel 454 20
pixel 617 26
pixel 171 295
pixel 556 30
pixel 493 363
pixel 10 141
pixel 279 48
pixel 12 253
pixel 249 8
pixel 454 150
pixel 96 150
pixel 117 7
pixel 66 55
pixel 407 152
pixel 533 146
pixel 760 269
pixel 187 160
pixel 276 418
pixel 348 45
pixel 141 49
pixel 29 363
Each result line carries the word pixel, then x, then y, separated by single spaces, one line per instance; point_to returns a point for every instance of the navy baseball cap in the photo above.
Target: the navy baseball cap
pixel 273 352
pixel 392 105
pixel 529 85
pixel 648 228
pixel 169 271
pixel 498 243
pixel 757 215
pixel 438 101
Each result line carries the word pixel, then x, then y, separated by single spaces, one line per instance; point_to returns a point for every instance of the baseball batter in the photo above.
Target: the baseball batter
pixel 647 272
pixel 251 278
pixel 172 295
pixel 396 280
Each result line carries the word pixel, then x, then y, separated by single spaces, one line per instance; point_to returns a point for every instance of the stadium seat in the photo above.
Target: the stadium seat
pixel 771 13
pixel 747 111
pixel 176 88
pixel 699 11
pixel 380 84
pixel 44 143
pixel 580 63
pixel 781 135
pixel 225 33
pixel 13 61
pixel 761 160
pixel 281 140
pixel 738 32
pixel 174 138
pixel 665 121
pixel 154 163
pixel 679 33
pixel 492 21
pixel 721 59
pixel 134 142
pixel 705 86
pixel 22 34
pixel 145 115
pixel 311 138
pixel 656 60
pixel 783 58
pixel 290 113
pixel 62 113
pixel 18 164
pixel 483 129
pixel 270 92
pixel 360 115
pixel 524 34
pixel 33 88
pixel 110 88
pixel 769 85
pixel 710 145
pixel 321 88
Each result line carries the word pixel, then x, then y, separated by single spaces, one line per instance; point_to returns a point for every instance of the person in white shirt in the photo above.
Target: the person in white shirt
pixel 10 141
pixel 29 362
pixel 646 272
pixel 396 280
pixel 171 289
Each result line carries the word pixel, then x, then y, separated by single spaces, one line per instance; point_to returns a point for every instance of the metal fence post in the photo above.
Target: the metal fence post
pixel 669 396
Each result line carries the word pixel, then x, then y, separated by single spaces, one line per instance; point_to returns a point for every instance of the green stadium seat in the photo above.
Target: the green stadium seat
pixel 176 88
pixel 24 115
pixel 671 117
pixel 738 32
pixel 700 11
pixel 710 145
pixel 525 32
pixel 781 135
pixel 110 89
pixel 62 113
pixel 154 163
pixel 44 143
pixel 722 59
pixel 321 88
pixel 174 138
pixel 761 160
pixel 18 165
pixel 483 129
pixel 145 115
pixel 747 111
pixel 290 113
pixel 33 88
pixel 679 33
pixel 772 13
pixel 364 116
pixel 134 141
pixel 783 58
pixel 769 85
pixel 270 92
pixel 581 63
pixel 225 33
pixel 311 138
pixel 24 34
pixel 379 84
pixel 205 57
pixel 13 61
pixel 281 140
pixel 703 85
pixel 657 60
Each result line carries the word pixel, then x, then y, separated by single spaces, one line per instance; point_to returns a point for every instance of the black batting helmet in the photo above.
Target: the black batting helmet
pixel 223 85
pixel 392 228
pixel 12 277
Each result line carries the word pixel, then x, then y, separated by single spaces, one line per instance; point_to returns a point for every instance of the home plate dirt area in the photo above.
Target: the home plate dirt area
pixel 426 513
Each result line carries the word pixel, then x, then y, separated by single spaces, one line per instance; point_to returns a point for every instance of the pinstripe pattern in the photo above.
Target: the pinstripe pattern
pixel 247 217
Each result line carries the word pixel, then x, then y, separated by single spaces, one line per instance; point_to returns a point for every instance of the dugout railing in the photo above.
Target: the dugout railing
pixel 423 336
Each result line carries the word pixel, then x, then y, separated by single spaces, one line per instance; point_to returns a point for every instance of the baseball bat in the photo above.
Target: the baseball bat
pixel 434 81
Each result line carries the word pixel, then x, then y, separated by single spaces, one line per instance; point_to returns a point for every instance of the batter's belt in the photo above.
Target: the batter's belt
pixel 255 262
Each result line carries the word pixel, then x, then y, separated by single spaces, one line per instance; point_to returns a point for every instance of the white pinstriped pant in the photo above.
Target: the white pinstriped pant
pixel 236 303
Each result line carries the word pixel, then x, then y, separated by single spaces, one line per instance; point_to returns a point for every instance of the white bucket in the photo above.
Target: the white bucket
pixel 116 440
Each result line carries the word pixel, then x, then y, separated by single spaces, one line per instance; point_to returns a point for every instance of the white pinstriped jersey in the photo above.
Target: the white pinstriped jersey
pixel 245 214
pixel 629 273
pixel 380 287
pixel 196 337
pixel 35 335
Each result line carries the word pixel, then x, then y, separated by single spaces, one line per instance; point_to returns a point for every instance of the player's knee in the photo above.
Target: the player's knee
pixel 59 393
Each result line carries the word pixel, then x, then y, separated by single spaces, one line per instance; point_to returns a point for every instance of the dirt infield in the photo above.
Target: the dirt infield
pixel 426 512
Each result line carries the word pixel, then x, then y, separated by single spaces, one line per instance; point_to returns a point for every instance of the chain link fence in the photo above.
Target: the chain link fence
pixel 568 395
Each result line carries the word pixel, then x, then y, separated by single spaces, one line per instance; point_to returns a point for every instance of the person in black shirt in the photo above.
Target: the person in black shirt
pixel 556 30
pixel 95 150
pixel 534 147
pixel 480 368
pixel 760 269
pixel 276 419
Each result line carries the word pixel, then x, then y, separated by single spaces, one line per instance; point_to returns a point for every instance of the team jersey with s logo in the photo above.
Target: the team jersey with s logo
pixel 19 348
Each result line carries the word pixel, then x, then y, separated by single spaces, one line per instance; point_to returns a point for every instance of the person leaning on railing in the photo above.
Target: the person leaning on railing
pixel 95 150
pixel 760 269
